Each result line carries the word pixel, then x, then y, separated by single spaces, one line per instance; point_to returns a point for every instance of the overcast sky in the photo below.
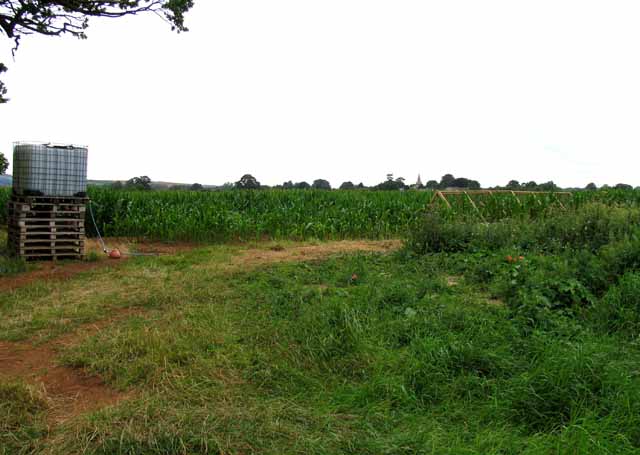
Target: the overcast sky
pixel 343 90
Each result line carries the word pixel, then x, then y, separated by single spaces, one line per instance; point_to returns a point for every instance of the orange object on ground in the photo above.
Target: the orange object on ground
pixel 115 254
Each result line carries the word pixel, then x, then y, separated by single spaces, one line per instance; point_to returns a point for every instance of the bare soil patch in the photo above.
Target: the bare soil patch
pixel 69 391
pixel 278 253
pixel 453 281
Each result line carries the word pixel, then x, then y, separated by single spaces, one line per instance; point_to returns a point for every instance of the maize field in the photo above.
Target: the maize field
pixel 303 214
pixel 249 215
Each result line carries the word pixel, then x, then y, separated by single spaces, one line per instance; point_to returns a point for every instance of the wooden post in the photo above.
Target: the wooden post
pixel 444 199
pixel 474 206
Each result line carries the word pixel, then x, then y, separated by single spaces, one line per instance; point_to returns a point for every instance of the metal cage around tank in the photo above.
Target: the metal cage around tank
pixel 50 170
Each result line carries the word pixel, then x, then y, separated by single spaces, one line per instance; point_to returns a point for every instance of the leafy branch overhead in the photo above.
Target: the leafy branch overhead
pixel 71 17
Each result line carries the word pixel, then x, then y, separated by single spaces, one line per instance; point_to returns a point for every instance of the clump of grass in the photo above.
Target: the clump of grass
pixel 619 309
pixel 92 256
pixel 11 266
pixel 21 418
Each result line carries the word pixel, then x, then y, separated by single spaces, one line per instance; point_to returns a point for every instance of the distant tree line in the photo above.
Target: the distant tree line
pixel 391 183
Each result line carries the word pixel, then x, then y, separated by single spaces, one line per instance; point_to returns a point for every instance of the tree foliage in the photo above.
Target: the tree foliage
pixel 321 184
pixel 247 182
pixel 391 184
pixel 449 181
pixel 4 164
pixel 139 183
pixel 71 17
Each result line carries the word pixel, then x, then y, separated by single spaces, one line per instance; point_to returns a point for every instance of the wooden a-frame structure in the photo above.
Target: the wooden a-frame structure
pixel 441 195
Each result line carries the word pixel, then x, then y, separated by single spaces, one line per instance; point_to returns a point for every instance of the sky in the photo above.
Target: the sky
pixel 342 90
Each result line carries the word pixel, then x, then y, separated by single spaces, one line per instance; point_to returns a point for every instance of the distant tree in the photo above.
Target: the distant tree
pixel 446 181
pixel 531 186
pixel 623 186
pixel 432 185
pixel 321 184
pixel 360 186
pixel 548 186
pixel 4 163
pixel 247 182
pixel 196 187
pixel 462 182
pixel 513 185
pixel 288 185
pixel 139 183
pixel 391 184
pixel 591 186
pixel 117 185
pixel 347 186
pixel 302 186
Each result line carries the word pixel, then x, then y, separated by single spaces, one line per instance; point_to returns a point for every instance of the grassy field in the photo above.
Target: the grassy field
pixel 519 336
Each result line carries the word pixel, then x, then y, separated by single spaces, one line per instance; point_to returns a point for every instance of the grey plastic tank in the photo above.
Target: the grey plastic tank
pixel 49 170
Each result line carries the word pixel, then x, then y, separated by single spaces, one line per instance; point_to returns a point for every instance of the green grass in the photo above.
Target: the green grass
pixel 9 265
pixel 305 358
pixel 21 418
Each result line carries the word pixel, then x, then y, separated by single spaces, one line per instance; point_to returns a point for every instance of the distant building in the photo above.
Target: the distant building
pixel 418 184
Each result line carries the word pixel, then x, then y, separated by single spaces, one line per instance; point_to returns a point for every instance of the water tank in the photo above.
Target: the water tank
pixel 49 170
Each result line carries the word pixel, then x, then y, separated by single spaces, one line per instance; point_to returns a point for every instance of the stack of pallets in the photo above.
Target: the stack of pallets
pixel 47 228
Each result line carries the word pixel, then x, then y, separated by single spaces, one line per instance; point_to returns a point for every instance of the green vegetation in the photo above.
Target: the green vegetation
pixel 221 216
pixel 9 265
pixel 21 418
pixel 249 215
pixel 515 336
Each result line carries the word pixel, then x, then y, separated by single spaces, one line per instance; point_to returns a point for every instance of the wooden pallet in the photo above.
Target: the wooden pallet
pixel 49 199
pixel 46 228
pixel 51 231
pixel 44 206
pixel 59 256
